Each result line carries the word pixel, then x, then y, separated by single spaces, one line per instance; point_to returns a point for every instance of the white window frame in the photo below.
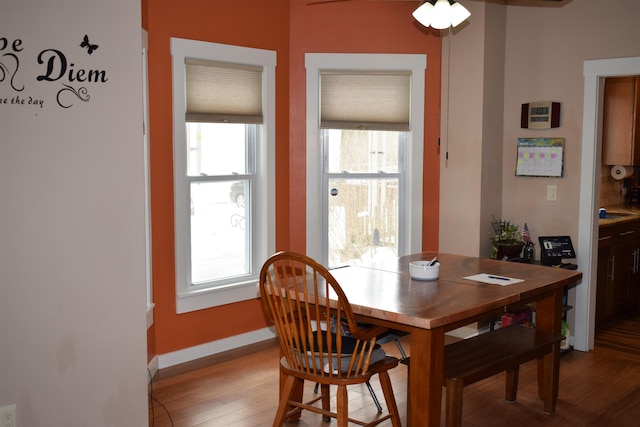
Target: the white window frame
pixel 411 211
pixel 188 297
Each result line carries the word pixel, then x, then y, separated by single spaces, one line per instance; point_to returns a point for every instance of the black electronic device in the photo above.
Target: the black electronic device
pixel 553 249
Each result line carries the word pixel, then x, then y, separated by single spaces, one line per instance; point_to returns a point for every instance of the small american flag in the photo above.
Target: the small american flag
pixel 525 234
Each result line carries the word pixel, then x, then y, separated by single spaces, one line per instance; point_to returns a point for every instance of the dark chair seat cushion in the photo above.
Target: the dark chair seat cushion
pixel 348 345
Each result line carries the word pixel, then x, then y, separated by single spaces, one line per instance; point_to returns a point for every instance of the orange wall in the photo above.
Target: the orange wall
pixel 290 28
pixel 361 26
pixel 251 23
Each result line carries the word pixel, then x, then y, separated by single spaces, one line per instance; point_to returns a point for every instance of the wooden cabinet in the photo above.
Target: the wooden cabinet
pixel 620 140
pixel 618 286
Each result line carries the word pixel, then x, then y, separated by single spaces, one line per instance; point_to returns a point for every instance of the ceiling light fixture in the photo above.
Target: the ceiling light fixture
pixel 441 14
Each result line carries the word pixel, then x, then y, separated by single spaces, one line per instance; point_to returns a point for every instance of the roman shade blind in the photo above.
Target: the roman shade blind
pixel 220 92
pixel 375 100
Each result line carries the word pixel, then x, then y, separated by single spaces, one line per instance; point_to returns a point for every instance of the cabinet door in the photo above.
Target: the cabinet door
pixel 634 280
pixel 624 270
pixel 618 285
pixel 604 294
pixel 618 121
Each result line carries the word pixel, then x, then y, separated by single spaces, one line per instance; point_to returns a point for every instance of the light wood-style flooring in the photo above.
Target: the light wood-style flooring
pixel 240 389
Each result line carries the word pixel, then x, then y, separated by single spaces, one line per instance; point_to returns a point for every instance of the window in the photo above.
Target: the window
pixel 364 135
pixel 224 155
pixel 364 175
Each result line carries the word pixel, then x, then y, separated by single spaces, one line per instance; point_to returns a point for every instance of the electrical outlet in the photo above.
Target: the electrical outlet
pixel 8 416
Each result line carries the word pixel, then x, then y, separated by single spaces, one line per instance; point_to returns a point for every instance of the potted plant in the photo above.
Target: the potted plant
pixel 507 240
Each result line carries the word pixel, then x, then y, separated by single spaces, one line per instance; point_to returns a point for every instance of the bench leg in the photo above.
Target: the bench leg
pixel 454 402
pixel 511 385
pixel 548 379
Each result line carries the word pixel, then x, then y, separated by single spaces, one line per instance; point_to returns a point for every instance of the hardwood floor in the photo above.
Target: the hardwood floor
pixel 240 389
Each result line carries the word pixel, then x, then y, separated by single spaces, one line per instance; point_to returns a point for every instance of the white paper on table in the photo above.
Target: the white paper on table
pixel 493 279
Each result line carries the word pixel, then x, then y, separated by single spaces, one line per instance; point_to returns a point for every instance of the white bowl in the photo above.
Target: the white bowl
pixel 421 270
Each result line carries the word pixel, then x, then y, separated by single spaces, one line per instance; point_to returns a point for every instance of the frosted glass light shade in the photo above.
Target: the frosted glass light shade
pixel 441 15
pixel 423 13
pixel 459 14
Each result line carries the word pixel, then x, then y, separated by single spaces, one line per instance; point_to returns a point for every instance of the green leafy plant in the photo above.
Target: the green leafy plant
pixel 506 234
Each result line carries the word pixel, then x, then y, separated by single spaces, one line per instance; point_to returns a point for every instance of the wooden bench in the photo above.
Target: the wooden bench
pixel 488 354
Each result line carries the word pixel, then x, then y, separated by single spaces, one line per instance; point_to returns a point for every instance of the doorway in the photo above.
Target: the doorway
pixel 594 73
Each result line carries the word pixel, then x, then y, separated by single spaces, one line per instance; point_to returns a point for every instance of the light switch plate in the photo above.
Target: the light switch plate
pixel 552 193
pixel 8 416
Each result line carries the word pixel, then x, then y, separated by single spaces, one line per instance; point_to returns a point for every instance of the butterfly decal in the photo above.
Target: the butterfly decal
pixel 90 47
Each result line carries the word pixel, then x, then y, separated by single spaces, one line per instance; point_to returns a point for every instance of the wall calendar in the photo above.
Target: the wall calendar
pixel 540 157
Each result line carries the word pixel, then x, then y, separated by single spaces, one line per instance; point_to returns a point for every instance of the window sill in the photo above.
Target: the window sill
pixel 208 298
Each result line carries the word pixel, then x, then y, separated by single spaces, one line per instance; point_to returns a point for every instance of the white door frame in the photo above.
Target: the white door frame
pixel 594 73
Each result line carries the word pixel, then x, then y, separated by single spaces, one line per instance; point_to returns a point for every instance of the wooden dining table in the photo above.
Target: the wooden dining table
pixel 384 293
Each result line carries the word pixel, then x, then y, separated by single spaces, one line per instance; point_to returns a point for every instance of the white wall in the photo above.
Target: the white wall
pixel 72 294
pixel 546 50
pixel 471 130
pixel 543 60
pixel 461 145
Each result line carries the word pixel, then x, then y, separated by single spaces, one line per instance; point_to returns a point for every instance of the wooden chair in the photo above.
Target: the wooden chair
pixel 290 285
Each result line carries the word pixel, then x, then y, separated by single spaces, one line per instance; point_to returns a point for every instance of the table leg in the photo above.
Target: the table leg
pixel 549 319
pixel 425 377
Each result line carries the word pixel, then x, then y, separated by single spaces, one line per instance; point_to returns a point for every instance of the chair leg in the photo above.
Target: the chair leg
pixel 326 405
pixel 288 389
pixel 326 400
pixel 511 386
pixel 454 402
pixel 374 397
pixel 390 398
pixel 403 355
pixel 342 409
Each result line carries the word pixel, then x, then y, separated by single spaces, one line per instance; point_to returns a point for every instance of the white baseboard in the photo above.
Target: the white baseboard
pixel 153 366
pixel 213 347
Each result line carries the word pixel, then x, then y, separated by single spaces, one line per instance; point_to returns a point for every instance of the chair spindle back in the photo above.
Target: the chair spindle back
pixel 294 291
